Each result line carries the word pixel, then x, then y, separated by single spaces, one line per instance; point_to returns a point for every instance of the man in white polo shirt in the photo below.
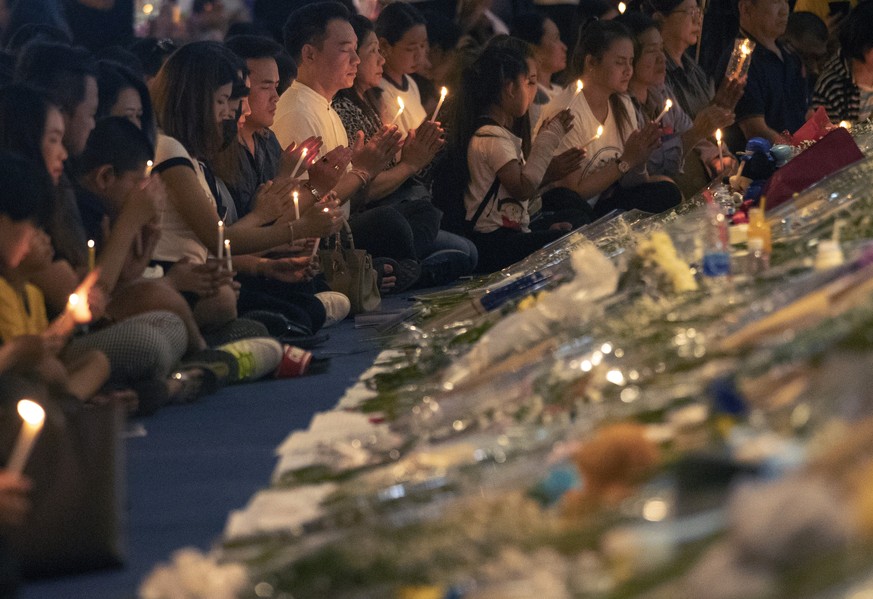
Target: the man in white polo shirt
pixel 321 39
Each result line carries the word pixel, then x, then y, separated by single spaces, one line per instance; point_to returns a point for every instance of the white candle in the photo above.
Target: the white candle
pixel 227 255
pixel 92 255
pixel 220 250
pixel 443 93
pixel 596 136
pixel 399 110
pixel 32 419
pixel 718 142
pixel 294 173
pixel 667 106
pixel 296 197
pixel 579 86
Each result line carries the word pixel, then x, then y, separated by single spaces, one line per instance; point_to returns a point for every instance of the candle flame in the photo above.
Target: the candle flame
pixel 31 412
pixel 221 223
pixel 599 131
pixel 91 244
pixel 227 244
pixel 443 93
pixel 74 299
pixel 745 49
pixel 579 85
pixel 718 135
pixel 621 8
pixel 845 125
pixel 668 104
pixel 400 103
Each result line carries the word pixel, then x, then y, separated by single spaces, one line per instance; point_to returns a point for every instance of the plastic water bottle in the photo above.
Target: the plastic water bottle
pixel 716 245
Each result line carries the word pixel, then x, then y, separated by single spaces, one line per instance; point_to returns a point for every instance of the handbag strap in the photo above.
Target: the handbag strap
pixel 492 193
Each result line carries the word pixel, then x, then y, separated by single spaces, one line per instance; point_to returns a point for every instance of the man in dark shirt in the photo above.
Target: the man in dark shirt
pixel 777 95
pixel 259 150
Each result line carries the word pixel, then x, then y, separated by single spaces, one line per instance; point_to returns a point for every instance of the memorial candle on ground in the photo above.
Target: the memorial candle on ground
pixel 32 419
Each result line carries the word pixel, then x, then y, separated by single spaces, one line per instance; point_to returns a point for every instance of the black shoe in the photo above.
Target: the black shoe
pixel 443 267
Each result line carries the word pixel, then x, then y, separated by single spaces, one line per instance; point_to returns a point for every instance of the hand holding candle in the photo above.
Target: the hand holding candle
pixel 32 419
pixel 399 110
pixel 740 58
pixel 443 93
pixel 667 106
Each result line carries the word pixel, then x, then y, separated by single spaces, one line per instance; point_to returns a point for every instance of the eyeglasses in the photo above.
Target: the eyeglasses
pixel 694 13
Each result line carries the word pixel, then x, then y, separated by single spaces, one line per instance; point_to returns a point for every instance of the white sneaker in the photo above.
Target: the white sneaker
pixel 256 356
pixel 336 305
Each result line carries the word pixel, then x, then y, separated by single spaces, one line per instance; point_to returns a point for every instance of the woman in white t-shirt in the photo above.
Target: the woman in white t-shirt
pixel 191 94
pixel 613 175
pixel 496 90
pixel 402 35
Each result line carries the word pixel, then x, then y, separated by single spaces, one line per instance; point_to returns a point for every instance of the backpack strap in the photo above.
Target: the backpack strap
pixel 495 187
pixel 492 193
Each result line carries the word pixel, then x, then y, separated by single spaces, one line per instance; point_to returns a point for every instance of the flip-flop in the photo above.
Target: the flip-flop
pixel 379 265
pixel 406 273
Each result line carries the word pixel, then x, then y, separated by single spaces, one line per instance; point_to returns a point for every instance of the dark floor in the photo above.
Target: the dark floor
pixel 200 461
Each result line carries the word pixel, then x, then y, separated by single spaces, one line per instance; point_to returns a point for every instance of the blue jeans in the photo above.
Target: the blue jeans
pixel 449 241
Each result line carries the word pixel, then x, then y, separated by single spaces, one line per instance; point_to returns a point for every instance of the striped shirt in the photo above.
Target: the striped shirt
pixel 836 91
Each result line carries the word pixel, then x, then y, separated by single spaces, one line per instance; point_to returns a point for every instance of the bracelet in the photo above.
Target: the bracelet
pixel 361 174
pixel 291 228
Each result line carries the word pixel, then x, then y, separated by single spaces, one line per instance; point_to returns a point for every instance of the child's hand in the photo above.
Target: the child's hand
pixel 564 164
pixel 201 279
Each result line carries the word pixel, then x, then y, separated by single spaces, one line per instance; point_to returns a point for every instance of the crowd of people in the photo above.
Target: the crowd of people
pixel 180 189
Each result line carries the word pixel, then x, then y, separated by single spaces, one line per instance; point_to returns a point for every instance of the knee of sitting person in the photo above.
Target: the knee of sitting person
pixel 216 311
pixel 145 296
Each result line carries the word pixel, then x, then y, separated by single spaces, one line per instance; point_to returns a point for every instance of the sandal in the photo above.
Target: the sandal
pixel 379 265
pixel 190 384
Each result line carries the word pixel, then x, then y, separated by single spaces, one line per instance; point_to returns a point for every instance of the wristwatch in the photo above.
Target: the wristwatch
pixel 623 165
pixel 315 193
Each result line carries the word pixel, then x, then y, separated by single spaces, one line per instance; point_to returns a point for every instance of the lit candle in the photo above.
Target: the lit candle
pixel 399 110
pixel 227 255
pixel 846 125
pixel 621 8
pixel 220 251
pixel 579 86
pixel 149 166
pixel 32 419
pixel 667 106
pixel 78 307
pixel 296 197
pixel 299 162
pixel 718 142
pixel 443 93
pixel 596 136
pixel 745 52
pixel 92 255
